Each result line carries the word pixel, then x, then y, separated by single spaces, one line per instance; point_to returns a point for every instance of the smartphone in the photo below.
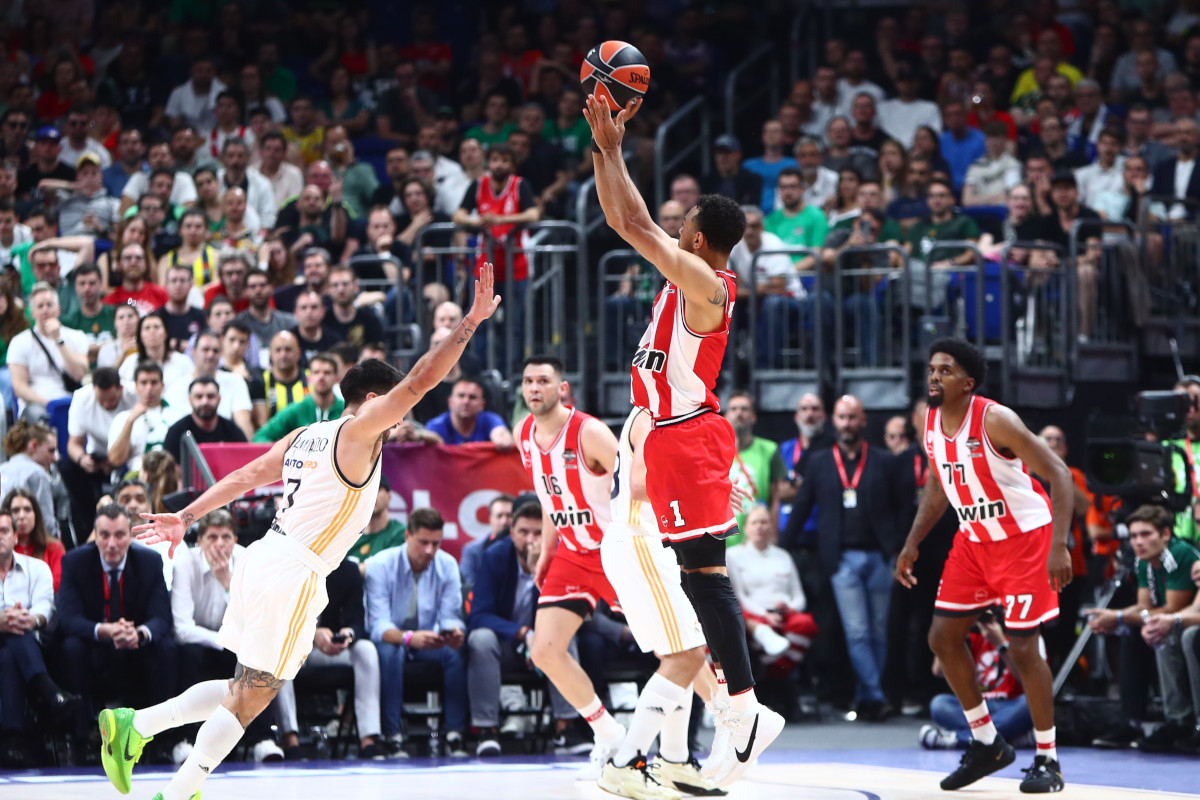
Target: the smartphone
pixel 338 638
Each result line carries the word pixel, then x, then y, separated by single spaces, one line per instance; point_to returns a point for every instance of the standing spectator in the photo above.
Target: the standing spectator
pixel 85 468
pixel 47 361
pixel 500 512
pixel 142 428
pixel 468 421
pixel 731 179
pixel 347 322
pixel 404 108
pixel 990 177
pixel 897 435
pixel 902 116
pixel 1105 174
pixel 852 489
pixel 773 161
pixel 135 288
pixel 285 178
pixel 960 145
pixel 31 449
pixel 774 279
pixel 319 405
pixel 194 103
pixel 203 423
pixel 286 383
pixel 313 336
pixel 757 467
pixel 414 598
pixel 383 531
pixel 813 434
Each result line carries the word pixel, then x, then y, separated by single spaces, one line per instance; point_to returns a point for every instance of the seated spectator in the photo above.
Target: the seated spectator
pixel 43 164
pixel 902 116
pixel 468 421
pixel 1139 141
pixel 449 180
pixel 1107 173
pixel 316 218
pixel 304 133
pixel 414 214
pixel 910 205
pixel 844 206
pixel 315 263
pixel 46 266
pixel 85 468
pixel 499 518
pixel 84 205
pixel 313 335
pixel 153 347
pixel 501 624
pixel 405 107
pixel 496 124
pixel 398 169
pixel 794 221
pixel 731 179
pixel 1093 118
pixel 236 173
pixel 319 405
pixel 425 628
pixel 628 308
pixel 14 236
pixel 124 343
pixel 771 162
pixel 1167 174
pixel 228 111
pixel 142 428
pixel 29 598
pixel 32 448
pixel 33 520
pixel 285 381
pixel 840 154
pixel 995 172
pixel 180 188
pixel 233 270
pixel 194 251
pixel 260 315
pixel 357 177
pixel 183 320
pixel 1158 633
pixel 941 224
pixel 999 683
pixel 1053 139
pixel 349 322
pixel 866 137
pixel 114 615
pixel 46 361
pixel 767 586
pixel 960 144
pixel 1164 588
pixel 285 178
pixel 135 289
pixel 1126 73
pixel 383 531
pixel 194 102
pixel 235 394
pixel 203 423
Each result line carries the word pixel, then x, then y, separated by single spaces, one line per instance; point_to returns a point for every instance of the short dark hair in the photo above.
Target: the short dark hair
pixel 1157 516
pixel 474 382
pixel 86 268
pixel 369 377
pixel 969 357
pixel 502 150
pixel 790 172
pixel 936 181
pixel 125 484
pixel 325 358
pixel 170 173
pixel 427 519
pixel 237 325
pixel 348 353
pixel 217 518
pixel 745 393
pixel 147 366
pixel 255 272
pixel 721 220
pixel 203 380
pixel 234 141
pixel 545 360
pixel 501 498
pixel 271 136
pixel 106 378
pixel 530 509
pixel 114 511
pixel 1113 133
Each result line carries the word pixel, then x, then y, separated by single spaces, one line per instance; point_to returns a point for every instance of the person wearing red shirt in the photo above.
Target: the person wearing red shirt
pixel 32 539
pixel 135 289
pixel 433 60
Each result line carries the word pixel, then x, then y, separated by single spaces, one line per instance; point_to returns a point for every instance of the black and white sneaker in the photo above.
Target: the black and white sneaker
pixel 455 747
pixel 979 761
pixel 1043 777
pixel 1121 737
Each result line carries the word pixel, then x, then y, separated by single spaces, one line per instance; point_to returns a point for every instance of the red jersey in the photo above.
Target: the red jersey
pixel 577 500
pixel 994 496
pixel 675 369
pixel 506 203
pixel 996 681
pixel 150 297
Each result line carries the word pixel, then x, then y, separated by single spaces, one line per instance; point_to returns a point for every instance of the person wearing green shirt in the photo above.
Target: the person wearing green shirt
pixel 569 130
pixel 758 468
pixel 496 126
pixel 319 405
pixel 794 222
pixel 359 181
pixel 1185 458
pixel 382 531
pixel 870 195
pixel 942 224
pixel 94 317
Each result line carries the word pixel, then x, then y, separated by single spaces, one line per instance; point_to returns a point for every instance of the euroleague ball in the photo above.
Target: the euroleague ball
pixel 616 71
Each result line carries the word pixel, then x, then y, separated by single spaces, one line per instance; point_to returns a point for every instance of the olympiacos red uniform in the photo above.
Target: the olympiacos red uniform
pixel 691 447
pixel 1004 536
pixel 505 203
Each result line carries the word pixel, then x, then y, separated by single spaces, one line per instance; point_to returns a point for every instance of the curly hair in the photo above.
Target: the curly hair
pixel 721 220
pixel 969 357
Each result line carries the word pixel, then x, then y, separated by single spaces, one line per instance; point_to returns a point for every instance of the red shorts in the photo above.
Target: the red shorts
pixel 1010 572
pixel 687 477
pixel 577 578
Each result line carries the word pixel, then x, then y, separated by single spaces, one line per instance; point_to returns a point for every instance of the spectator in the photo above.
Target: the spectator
pixel 773 275
pixel 999 683
pixel 47 361
pixel 1150 90
pixel 814 433
pixel 1093 117
pixel 319 405
pixel 285 178
pixel 313 219
pixel 897 434
pixel 757 467
pixel 233 269
pixel 771 163
pixel 349 322
pixel 341 640
pixel 80 142
pixel 263 320
pixel 203 423
pixel 427 628
pixel 826 98
pixel 859 305
pixel 767 586
pixel 182 319
pixel 449 180
pixel 685 190
pixel 1054 144
pixel 194 103
pixel 1125 201
pixel 854 82
pixel 1107 173
pixel 911 204
pixel 960 145
pixel 304 133
pixel 17 234
pixel 1178 177
pixel 314 264
pixel 731 179
pixel 984 111
pixel 342 107
pixel 238 228
pixel 124 343
pixel 437 400
pixel 795 222
pixel 46 268
pixel 383 531
pixel 14 132
pixel 115 617
pixel 313 336
pixel 866 138
pixel 31 449
pixel 84 205
pixel 569 130
pixel 357 178
pixel 855 498
pixel 1138 141
pixel 398 168
pixel 142 428
pixel 819 182
pixel 286 383
pixel 404 108
pixel 941 224
pixel 841 155
pixel 229 125
pixel 235 395
pixel 496 124
pixel 235 172
pixel 994 173
pixel 85 467
pixel 279 81
pixel 902 116
pixel 182 191
pixel 135 288
pixel 236 344
pixel 152 346
pixel 1126 77
pixel 43 163
pixel 500 512
pixel 468 421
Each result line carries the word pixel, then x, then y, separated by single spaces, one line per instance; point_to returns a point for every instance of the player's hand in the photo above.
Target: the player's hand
pixel 739 498
pixel 162 528
pixel 486 299
pixel 607 130
pixel 1059 567
pixel 904 565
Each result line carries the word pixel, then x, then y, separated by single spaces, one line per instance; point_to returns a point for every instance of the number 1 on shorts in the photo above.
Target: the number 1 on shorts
pixel 679 523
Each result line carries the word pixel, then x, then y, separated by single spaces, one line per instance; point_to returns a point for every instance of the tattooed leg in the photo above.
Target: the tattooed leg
pixel 252 690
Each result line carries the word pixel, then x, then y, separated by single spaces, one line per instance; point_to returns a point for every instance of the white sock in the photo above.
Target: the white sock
pixel 657 701
pixel 194 705
pixel 722 686
pixel 216 739
pixel 673 739
pixel 980 720
pixel 743 701
pixel 1046 746
pixel 605 727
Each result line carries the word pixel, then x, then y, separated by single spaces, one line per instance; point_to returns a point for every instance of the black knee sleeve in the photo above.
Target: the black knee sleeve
pixel 724 628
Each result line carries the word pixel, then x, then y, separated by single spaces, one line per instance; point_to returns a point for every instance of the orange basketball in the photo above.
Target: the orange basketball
pixel 617 71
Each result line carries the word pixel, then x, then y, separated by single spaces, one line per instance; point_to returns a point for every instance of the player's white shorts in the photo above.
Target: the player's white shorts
pixel 646 578
pixel 277 591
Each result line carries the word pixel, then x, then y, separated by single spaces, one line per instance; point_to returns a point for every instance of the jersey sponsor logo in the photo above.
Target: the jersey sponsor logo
pixel 571 517
pixel 570 459
pixel 973 446
pixel 653 360
pixel 299 463
pixel 982 511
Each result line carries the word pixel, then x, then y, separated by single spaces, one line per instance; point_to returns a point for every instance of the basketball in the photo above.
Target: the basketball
pixel 615 70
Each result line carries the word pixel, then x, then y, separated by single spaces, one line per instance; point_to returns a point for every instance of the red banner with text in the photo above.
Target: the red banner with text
pixel 459 481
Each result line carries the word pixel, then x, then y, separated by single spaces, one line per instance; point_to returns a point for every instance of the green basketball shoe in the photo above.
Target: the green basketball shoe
pixel 120 746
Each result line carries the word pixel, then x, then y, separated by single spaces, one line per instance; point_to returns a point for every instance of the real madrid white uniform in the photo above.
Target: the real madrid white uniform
pixel 278 588
pixel 643 572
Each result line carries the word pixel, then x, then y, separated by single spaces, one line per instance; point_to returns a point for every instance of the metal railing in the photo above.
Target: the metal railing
pixel 1038 310
pixel 697 107
pixel 736 101
pixel 193 467
pixel 959 293
pixel 621 315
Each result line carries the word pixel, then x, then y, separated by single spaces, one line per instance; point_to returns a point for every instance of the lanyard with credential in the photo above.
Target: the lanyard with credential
pixel 749 477
pixel 108 593
pixel 850 486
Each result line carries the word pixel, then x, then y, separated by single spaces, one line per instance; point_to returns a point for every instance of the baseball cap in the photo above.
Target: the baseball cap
pixel 1064 176
pixel 727 142
pixel 88 158
pixel 445 112
pixel 47 132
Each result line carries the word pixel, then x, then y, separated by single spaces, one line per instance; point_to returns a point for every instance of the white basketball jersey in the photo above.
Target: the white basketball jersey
pixel 994 496
pixel 637 514
pixel 575 498
pixel 321 509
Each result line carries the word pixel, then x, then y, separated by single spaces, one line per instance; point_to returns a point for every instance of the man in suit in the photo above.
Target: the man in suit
pixel 853 489
pixel 1178 177
pixel 115 618
pixel 501 623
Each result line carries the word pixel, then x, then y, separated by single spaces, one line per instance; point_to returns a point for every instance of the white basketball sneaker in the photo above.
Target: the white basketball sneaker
pixel 638 780
pixel 602 753
pixel 746 735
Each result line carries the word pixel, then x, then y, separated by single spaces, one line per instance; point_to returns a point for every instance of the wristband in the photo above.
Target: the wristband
pixel 407 637
pixel 1178 621
pixel 1120 617
pixel 596 147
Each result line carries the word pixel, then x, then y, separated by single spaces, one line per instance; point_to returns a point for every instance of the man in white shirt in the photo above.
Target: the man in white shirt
pixel 820 182
pixel 142 427
pixel 854 82
pixel 235 172
pixel 449 181
pixel 77 141
pixel 183 191
pixel 826 98
pixel 194 103
pixel 286 179
pixel 991 176
pixel 235 394
pixel 85 467
pixel 772 274
pixel 902 116
pixel 39 357
pixel 1107 173
pixel 229 125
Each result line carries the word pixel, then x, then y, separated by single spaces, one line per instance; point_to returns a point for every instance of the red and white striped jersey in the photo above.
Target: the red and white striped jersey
pixel 576 499
pixel 994 496
pixel 675 368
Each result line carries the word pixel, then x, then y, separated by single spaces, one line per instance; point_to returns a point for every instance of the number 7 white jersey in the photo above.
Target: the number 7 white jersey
pixel 637 514
pixel 321 509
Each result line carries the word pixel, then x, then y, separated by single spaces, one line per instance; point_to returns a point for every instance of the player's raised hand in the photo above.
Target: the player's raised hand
pixel 162 528
pixel 1059 568
pixel 486 299
pixel 904 566
pixel 607 130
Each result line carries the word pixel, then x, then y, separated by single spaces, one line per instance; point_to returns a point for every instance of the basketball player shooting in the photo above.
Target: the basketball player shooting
pixel 691 446
pixel 1011 550
pixel 331 475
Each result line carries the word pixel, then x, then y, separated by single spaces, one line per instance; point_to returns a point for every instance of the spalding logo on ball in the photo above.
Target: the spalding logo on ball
pixel 617 71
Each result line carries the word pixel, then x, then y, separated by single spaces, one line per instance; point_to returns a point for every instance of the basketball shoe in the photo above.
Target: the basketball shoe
pixel 638 780
pixel 602 753
pixel 120 746
pixel 686 778
pixel 741 736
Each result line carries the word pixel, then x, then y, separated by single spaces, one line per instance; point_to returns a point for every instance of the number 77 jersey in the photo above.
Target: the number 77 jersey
pixel 576 499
